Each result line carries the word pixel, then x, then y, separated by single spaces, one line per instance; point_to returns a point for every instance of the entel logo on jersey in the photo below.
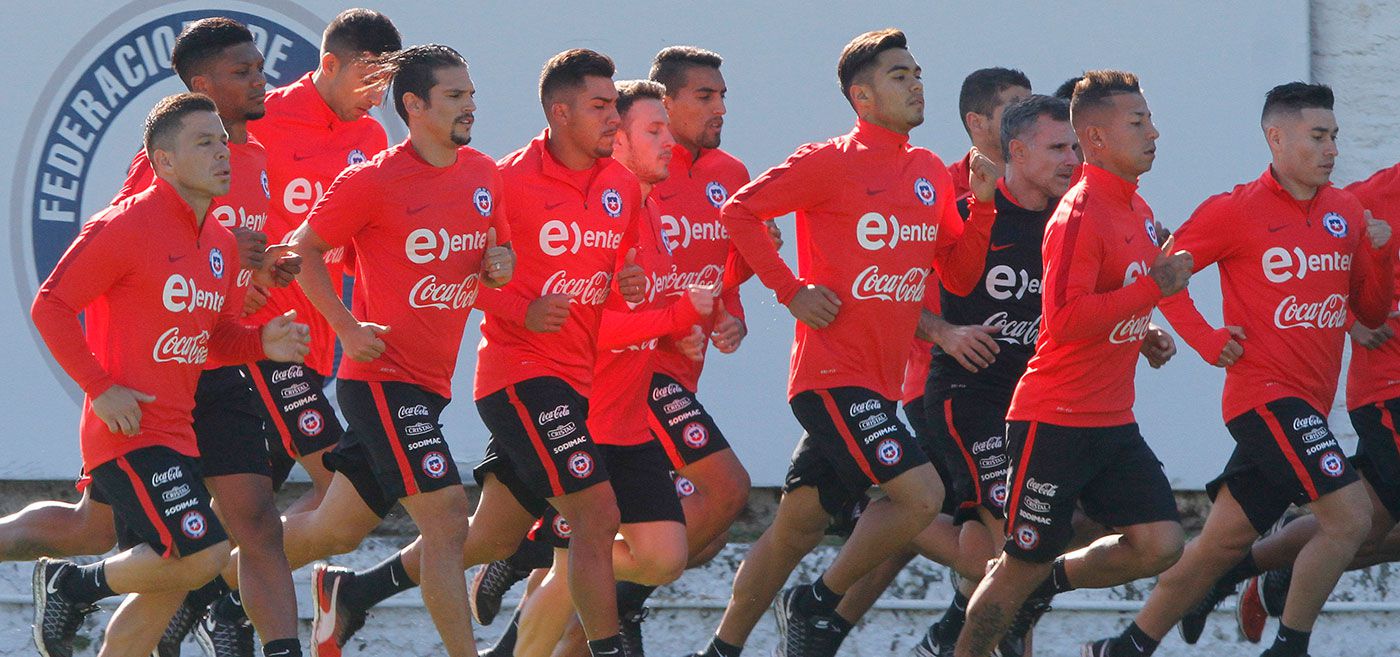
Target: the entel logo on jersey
pixel 923 189
pixel 183 295
pixel 1279 263
pixel 1335 224
pixel 679 232
pixel 231 217
pixel 557 238
pixel 716 193
pixel 1004 282
pixel 873 228
pixel 423 245
pixel 114 79
pixel 481 198
pixel 907 287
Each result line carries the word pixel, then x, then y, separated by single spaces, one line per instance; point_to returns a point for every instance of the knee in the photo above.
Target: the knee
pixel 340 539
pixel 198 569
pixel 1159 550
pixel 661 568
pixel 447 531
pixel 735 492
pixel 262 532
pixel 595 523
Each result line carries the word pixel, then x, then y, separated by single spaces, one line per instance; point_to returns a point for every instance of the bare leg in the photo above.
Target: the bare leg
pixel 910 504
pixel 1343 520
pixel 57 529
pixel 441 516
pixel 546 611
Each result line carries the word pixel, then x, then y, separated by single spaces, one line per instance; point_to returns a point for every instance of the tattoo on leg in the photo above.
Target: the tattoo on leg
pixel 985 627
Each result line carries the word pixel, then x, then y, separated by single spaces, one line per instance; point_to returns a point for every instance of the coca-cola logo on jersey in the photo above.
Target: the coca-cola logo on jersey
pixel 1329 313
pixel 239 217
pixel 173 347
pixel 181 295
pixel 905 287
pixel 708 276
pixel 424 245
pixel 589 291
pixel 1004 282
pixel 875 232
pixel 428 292
pixel 283 376
pixel 1131 330
pixel 1281 265
pixel 558 238
pixel 1014 331
pixel 679 232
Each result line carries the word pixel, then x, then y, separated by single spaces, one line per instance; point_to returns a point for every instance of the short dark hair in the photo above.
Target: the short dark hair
pixel 982 88
pixel 1020 116
pixel 202 41
pixel 355 31
pixel 859 55
pixel 567 70
pixel 1295 97
pixel 169 114
pixel 1066 89
pixel 673 63
pixel 631 91
pixel 414 70
pixel 1094 90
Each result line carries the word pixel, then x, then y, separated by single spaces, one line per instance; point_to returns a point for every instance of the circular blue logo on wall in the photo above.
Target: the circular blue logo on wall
pixel 87 123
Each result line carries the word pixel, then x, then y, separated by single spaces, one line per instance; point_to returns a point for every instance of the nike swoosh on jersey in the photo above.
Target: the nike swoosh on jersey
pixel 551 206
pixel 999 247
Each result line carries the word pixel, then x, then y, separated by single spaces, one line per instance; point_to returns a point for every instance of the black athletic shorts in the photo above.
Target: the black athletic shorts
pixel 1110 470
pixel 394 440
pixel 640 476
pixel 968 429
pixel 229 427
pixel 1284 454
pixel 681 424
pixel 914 412
pixel 294 399
pixel 540 444
pixel 853 440
pixel 1378 450
pixel 158 498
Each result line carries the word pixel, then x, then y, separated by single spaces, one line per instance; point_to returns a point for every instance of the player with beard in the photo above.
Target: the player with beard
pixel 851 346
pixel 1295 255
pixel 1070 430
pixel 423 218
pixel 536 358
pixel 151 323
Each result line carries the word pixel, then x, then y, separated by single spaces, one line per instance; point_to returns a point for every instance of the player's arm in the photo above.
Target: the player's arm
pixel 1207 236
pixel 1075 310
pixel 95 261
pixel 623 327
pixel 803 181
pixel 345 209
pixel 1372 274
pixel 961 249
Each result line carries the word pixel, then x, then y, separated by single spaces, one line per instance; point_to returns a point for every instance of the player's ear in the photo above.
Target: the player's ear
pixel 200 84
pixel 1273 135
pixel 330 63
pixel 160 160
pixel 560 111
pixel 1015 148
pixel 975 122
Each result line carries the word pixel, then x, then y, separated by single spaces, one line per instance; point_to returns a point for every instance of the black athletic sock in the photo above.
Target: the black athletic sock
pixel 505 646
pixel 282 648
pixel 229 608
pixel 1290 642
pixel 371 587
pixel 609 647
pixel 1241 571
pixel 631 596
pixel 950 625
pixel 204 596
pixel 818 599
pixel 718 648
pixel 1134 643
pixel 531 554
pixel 1056 583
pixel 86 583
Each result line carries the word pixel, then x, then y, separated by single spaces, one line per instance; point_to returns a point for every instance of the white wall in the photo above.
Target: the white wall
pixel 1205 68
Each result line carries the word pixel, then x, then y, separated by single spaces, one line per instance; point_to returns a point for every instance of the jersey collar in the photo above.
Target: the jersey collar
pixel 175 205
pixel 551 166
pixel 1112 183
pixel 316 107
pixel 875 136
